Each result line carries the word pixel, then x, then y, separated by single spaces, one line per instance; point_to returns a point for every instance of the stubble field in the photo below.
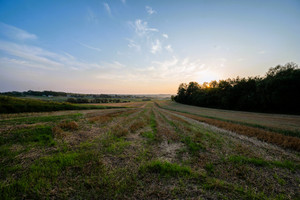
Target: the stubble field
pixel 149 150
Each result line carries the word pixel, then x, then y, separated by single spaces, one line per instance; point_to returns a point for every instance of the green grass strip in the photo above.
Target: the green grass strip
pixel 166 169
pixel 260 162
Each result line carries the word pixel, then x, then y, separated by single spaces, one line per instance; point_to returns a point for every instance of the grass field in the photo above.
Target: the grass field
pixel 18 105
pixel 148 151
pixel 276 122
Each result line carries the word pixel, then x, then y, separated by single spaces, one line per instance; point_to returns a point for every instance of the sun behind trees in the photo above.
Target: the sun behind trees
pixel 278 91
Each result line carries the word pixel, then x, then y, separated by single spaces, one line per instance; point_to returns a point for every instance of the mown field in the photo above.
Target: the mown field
pixel 287 124
pixel 147 151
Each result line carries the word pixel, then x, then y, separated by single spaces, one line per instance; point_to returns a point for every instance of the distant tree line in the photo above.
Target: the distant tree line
pixel 34 93
pixel 278 91
pixel 64 94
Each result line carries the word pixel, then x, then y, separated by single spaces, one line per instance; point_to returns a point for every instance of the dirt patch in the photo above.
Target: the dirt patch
pixel 168 151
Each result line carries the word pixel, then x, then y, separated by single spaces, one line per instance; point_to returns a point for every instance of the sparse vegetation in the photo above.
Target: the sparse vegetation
pixel 166 169
pixel 140 153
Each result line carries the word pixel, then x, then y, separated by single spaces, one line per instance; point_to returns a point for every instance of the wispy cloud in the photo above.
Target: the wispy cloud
pixel 165 36
pixel 141 27
pixel 16 33
pixel 36 57
pixel 89 47
pixel 91 16
pixel 169 48
pixel 134 45
pixel 123 1
pixel 149 10
pixel 169 70
pixel 114 65
pixel 156 47
pixel 107 8
pixel 30 54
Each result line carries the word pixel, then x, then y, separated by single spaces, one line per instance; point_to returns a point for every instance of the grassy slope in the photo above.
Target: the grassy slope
pixel 285 124
pixel 141 153
pixel 17 105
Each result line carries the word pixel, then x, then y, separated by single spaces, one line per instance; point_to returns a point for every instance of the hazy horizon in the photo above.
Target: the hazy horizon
pixel 141 47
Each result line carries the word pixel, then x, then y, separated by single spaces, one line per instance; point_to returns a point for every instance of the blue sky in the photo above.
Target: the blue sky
pixel 142 46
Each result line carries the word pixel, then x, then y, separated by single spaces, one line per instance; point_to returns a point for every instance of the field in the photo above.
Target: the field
pixel 149 150
pixel 18 105
pixel 275 122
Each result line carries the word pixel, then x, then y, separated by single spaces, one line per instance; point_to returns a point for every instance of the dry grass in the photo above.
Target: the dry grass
pixel 106 117
pixel 100 119
pixel 119 131
pixel 267 136
pixel 58 132
pixel 128 105
pixel 164 130
pixel 277 121
pixel 108 161
pixel 69 126
pixel 136 125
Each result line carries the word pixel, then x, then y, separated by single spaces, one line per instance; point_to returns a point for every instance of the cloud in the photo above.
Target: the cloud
pixel 29 54
pixel 169 48
pixel 165 36
pixel 107 8
pixel 123 1
pixel 141 27
pixel 172 70
pixel 16 57
pixel 134 45
pixel 156 47
pixel 149 10
pixel 16 33
pixel 89 47
pixel 91 16
pixel 114 65
pixel 36 57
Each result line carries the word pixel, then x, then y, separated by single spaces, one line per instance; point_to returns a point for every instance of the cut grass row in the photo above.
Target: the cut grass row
pixel 192 143
pixel 81 168
pixel 261 134
pixel 293 133
pixel 112 166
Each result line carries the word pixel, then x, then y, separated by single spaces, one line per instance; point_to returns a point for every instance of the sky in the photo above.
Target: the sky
pixel 142 46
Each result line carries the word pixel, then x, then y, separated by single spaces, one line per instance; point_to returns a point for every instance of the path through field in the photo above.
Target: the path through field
pixel 140 152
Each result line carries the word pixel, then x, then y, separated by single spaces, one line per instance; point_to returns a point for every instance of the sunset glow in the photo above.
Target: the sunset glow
pixel 141 47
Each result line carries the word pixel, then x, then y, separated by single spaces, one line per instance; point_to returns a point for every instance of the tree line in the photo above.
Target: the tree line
pixel 65 94
pixel 278 91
